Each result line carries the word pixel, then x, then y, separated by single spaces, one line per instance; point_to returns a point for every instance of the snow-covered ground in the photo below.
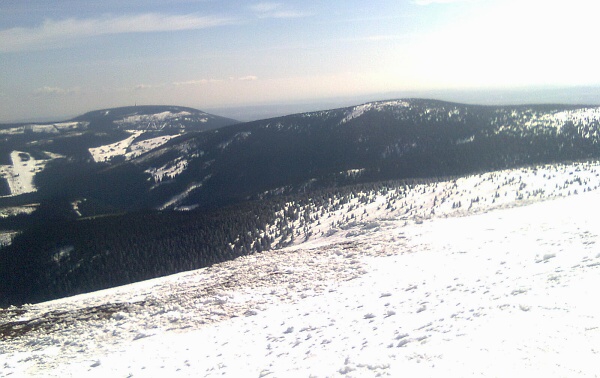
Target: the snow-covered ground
pixel 22 171
pixel 155 121
pixel 454 197
pixel 109 151
pixel 55 128
pixel 509 292
pixel 129 147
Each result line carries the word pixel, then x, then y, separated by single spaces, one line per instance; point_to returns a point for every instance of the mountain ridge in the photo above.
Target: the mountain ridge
pixel 171 167
pixel 203 197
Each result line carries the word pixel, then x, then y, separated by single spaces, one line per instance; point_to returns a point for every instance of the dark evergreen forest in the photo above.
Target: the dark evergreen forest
pixel 60 256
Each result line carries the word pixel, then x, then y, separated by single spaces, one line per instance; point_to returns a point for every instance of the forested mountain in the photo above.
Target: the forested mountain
pixel 74 138
pixel 60 257
pixel 42 161
pixel 376 141
pixel 109 215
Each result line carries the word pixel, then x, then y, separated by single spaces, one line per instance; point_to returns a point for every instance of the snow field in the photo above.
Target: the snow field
pixel 510 292
pixel 21 172
pixel 138 148
pixel 456 197
pixel 109 151
pixel 56 128
pixel 152 119
pixel 128 147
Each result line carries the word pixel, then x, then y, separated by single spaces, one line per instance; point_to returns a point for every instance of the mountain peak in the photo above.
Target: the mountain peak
pixel 154 116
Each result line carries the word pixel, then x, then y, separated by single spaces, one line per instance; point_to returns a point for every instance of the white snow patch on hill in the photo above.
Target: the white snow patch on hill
pixel 138 148
pixel 509 292
pixel 21 173
pixel 152 118
pixel 129 147
pixel 55 128
pixel 178 199
pixel 237 137
pixel 168 171
pixel 107 152
pixel 579 116
pixel 455 197
pixel 359 110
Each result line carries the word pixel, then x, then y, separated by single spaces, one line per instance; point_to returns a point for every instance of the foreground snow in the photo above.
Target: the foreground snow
pixel 511 292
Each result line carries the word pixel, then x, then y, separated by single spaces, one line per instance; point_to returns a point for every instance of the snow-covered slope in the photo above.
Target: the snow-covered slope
pixel 21 173
pixel 509 292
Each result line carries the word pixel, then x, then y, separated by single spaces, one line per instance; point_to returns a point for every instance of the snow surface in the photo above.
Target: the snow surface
pixel 453 197
pixel 22 171
pixel 138 148
pixel 154 120
pixel 359 110
pixel 169 170
pixel 129 147
pixel 110 151
pixel 509 292
pixel 55 128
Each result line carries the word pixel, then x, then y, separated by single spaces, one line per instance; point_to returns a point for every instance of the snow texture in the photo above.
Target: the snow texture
pixel 508 292
pixel 22 171
pixel 152 119
pixel 359 110
pixel 55 128
pixel 129 147
pixel 110 151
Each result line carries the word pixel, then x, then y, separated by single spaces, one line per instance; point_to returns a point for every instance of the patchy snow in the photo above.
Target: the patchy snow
pixel 153 120
pixel 110 151
pixel 6 237
pixel 237 137
pixel 169 171
pixel 579 116
pixel 510 292
pixel 21 172
pixel 178 199
pixel 466 140
pixel 13 130
pixel 138 148
pixel 10 211
pixel 455 197
pixel 54 128
pixel 359 110
pixel 353 173
pixel 129 147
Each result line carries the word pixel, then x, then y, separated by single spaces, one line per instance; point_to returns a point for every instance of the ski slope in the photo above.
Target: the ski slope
pixel 21 173
pixel 509 292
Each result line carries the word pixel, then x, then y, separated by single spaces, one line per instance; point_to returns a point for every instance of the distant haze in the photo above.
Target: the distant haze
pixel 574 95
pixel 257 59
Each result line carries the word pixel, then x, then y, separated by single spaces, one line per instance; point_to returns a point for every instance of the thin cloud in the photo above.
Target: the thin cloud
pixel 209 81
pixel 429 2
pixel 378 38
pixel 141 87
pixel 54 33
pixel 54 91
pixel 195 82
pixel 265 7
pixel 275 10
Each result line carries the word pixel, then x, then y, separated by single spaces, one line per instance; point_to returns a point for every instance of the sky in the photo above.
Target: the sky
pixel 67 57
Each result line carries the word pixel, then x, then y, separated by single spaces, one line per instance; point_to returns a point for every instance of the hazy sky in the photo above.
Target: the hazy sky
pixel 65 57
